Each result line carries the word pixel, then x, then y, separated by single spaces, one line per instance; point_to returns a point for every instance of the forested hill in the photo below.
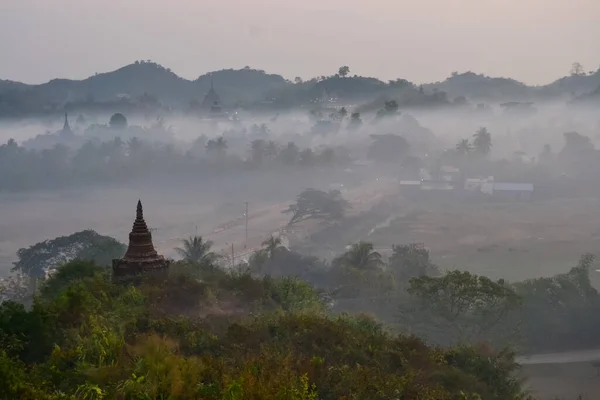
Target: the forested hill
pixel 141 78
pixel 486 88
pixel 247 86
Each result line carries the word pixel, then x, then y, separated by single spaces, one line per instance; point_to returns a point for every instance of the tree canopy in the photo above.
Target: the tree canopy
pixel 45 256
pixel 317 204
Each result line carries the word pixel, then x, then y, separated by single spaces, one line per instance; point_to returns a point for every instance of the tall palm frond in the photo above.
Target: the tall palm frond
pixel 197 250
pixel 362 256
pixel 271 244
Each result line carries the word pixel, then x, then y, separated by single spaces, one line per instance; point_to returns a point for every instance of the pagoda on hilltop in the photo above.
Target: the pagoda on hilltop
pixel 211 99
pixel 66 131
pixel 140 258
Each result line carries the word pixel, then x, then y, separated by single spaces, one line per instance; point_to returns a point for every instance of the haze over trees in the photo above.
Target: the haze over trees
pixel 326 307
pixel 145 80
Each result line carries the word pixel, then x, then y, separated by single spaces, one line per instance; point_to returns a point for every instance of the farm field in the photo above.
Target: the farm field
pixel 513 241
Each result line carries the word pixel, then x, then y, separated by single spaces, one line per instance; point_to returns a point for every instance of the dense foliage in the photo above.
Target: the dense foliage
pixel 42 257
pixel 186 338
pixel 93 161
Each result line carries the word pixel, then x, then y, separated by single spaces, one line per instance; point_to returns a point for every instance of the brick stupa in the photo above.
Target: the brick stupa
pixel 141 258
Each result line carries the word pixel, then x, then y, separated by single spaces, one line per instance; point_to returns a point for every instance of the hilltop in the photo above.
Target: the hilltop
pixel 249 86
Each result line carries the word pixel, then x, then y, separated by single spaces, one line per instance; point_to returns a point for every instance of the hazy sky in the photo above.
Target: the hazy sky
pixel 421 40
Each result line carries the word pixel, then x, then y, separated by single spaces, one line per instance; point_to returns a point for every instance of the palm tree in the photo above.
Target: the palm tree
pixel 362 256
pixel 482 141
pixel 218 146
pixel 464 147
pixel 196 250
pixel 271 244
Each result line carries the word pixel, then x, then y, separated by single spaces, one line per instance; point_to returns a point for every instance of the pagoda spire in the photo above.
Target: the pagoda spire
pixel 141 256
pixel 139 212
pixel 66 127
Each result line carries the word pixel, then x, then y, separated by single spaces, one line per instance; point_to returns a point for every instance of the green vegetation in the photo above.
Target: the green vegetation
pixel 36 260
pixel 317 204
pixel 278 327
pixel 87 338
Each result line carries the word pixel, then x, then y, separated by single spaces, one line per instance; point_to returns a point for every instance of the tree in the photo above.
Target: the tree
pixel 344 71
pixel 298 80
pixel 576 145
pixel 388 148
pixel 258 150
pixel 463 147
pixel 342 113
pixel 361 256
pixel 468 304
pixel 411 261
pixel 307 157
pixel 196 250
pixel 118 121
pixel 45 256
pixel 390 107
pixel 313 203
pixel 577 69
pixel 217 147
pixel 565 305
pixel 290 154
pixel 134 145
pixel 271 245
pixel 482 141
pixel 68 273
pixel 355 121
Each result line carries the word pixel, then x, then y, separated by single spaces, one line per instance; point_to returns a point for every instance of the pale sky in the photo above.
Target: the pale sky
pixel 535 41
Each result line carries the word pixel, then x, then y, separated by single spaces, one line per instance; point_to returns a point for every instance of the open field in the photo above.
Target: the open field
pixel 514 241
pixel 173 211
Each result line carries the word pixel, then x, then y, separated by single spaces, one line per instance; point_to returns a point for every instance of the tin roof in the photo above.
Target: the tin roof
pixel 515 187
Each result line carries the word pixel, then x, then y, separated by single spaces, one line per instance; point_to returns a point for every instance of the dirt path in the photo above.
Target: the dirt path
pixel 270 220
pixel 561 358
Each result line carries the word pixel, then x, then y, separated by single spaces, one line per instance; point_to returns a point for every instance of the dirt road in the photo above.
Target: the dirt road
pixel 561 358
pixel 270 220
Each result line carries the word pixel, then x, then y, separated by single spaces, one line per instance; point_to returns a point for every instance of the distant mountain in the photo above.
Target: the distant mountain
pixel 7 86
pixel 238 85
pixel 247 86
pixel 133 80
pixel 572 86
pixel 149 78
pixel 480 87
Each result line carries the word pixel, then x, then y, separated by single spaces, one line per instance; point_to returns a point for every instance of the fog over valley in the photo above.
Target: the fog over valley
pixel 348 222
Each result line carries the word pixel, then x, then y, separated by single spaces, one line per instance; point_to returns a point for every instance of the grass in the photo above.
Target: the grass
pixel 514 241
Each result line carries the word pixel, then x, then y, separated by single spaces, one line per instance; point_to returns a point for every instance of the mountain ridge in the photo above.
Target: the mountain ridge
pixel 248 85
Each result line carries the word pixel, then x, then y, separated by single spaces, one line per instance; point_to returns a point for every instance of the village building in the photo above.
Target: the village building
pixel 513 191
pixel 141 257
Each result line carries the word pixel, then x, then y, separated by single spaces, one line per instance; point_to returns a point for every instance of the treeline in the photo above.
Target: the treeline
pixel 407 290
pixel 209 334
pixel 264 328
pixel 117 161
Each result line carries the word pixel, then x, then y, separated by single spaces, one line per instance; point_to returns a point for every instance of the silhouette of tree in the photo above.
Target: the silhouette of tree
pixel 344 71
pixel 313 203
pixel 271 245
pixel 362 257
pixel 217 146
pixel 118 121
pixel 577 69
pixel 482 141
pixel 196 250
pixel 464 147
